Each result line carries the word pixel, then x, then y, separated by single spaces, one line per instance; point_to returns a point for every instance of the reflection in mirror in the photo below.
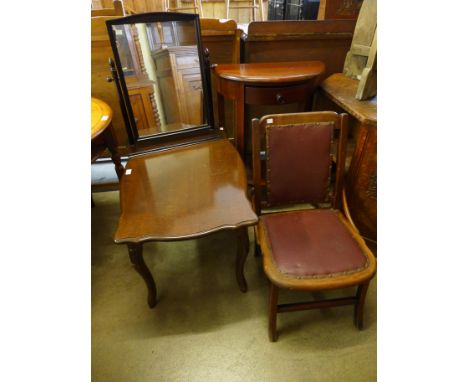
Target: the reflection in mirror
pixel 161 68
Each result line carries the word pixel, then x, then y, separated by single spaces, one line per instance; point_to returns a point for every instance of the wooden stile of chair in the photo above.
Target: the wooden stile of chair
pixel 307 249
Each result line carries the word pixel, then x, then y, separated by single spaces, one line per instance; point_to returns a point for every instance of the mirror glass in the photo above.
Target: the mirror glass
pixel 162 72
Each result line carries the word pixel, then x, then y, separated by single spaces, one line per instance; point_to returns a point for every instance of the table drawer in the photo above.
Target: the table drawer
pixel 277 95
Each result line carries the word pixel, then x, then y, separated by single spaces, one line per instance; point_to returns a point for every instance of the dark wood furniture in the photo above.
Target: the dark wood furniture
pixel 163 52
pixel 338 93
pixel 222 39
pixel 307 249
pixel 264 84
pixel 277 41
pixel 102 136
pixel 180 194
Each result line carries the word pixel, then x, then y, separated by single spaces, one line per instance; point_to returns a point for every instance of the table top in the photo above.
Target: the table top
pixel 342 90
pixel 101 116
pixel 271 72
pixel 183 193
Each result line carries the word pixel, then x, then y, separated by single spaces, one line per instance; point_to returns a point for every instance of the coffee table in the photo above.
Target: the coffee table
pixel 180 194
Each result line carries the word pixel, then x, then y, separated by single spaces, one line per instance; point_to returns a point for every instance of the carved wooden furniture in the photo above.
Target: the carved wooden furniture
pixel 338 93
pixel 102 137
pixel 184 193
pixel 252 5
pixel 307 249
pixel 265 84
pixel 277 41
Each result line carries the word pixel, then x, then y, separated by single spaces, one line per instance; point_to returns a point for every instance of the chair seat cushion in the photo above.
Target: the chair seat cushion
pixel 312 244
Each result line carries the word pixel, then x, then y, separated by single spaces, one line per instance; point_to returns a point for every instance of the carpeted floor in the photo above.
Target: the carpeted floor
pixel 204 328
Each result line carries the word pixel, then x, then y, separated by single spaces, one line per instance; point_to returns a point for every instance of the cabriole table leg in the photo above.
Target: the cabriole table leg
pixel 135 252
pixel 242 252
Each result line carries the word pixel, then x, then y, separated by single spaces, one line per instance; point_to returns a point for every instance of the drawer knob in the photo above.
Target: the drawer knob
pixel 280 98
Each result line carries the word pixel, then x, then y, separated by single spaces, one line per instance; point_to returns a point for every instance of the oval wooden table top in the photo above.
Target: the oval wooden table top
pixel 183 193
pixel 101 116
pixel 270 72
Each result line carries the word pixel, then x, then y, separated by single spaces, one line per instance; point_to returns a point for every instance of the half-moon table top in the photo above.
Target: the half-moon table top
pixel 101 116
pixel 270 73
pixel 183 193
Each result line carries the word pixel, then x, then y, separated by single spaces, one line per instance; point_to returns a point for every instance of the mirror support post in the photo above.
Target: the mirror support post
pixel 123 108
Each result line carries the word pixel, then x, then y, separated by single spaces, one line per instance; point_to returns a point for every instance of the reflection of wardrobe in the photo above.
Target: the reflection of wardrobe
pixel 140 87
pixel 179 80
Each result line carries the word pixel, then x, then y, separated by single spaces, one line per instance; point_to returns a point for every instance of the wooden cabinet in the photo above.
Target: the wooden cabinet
pixel 144 107
pixel 141 89
pixel 338 93
pixel 179 79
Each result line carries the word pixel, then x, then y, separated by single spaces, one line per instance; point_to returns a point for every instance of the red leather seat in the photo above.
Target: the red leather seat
pixel 308 249
pixel 313 244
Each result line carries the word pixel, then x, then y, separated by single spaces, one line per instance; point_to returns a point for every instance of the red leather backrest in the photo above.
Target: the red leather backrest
pixel 298 163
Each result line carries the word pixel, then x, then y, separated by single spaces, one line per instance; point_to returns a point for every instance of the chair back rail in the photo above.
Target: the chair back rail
pixel 297 132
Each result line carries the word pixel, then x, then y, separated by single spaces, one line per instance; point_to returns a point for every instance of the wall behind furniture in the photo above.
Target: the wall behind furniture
pixel 211 8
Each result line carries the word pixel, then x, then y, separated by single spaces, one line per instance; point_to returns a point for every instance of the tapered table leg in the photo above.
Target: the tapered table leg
pixel 135 252
pixel 242 245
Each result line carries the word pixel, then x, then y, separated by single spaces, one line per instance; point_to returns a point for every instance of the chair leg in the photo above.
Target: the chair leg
pixel 272 312
pixel 359 306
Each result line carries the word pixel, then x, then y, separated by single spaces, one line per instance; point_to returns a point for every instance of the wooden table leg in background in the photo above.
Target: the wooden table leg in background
pixel 240 120
pixel 135 252
pixel 242 252
pixel 109 139
pixel 221 118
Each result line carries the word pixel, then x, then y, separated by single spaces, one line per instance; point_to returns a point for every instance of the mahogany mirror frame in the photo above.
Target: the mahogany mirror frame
pixel 118 75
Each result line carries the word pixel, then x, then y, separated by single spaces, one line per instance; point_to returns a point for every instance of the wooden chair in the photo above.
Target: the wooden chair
pixel 307 249
pixel 196 7
pixel 253 6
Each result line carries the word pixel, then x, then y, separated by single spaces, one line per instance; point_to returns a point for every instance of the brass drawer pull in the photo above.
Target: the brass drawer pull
pixel 280 99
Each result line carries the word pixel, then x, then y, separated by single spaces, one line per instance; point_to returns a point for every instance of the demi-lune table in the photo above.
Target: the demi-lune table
pixel 184 193
pixel 264 84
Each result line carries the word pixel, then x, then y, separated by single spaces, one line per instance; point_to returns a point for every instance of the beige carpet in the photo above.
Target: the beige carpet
pixel 204 328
